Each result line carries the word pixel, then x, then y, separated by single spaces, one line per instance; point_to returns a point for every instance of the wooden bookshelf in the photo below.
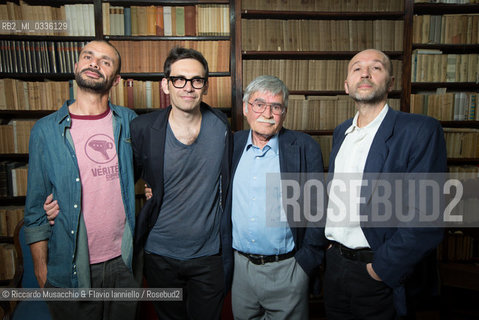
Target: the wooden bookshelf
pixel 460 275
pixel 153 76
pixel 246 14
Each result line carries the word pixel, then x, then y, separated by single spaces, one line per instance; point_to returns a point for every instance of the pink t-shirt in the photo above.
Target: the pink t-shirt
pixel 102 204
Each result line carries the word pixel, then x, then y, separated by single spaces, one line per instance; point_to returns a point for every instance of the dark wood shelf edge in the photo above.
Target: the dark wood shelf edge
pixel 38 76
pixel 160 75
pixel 168 38
pixel 6 239
pixel 456 86
pixel 448 48
pixel 55 38
pixel 316 15
pixel 393 94
pixel 461 124
pixel 12 201
pixel 147 110
pixel 443 8
pixel 13 156
pixel 36 114
pixel 70 76
pixel 462 161
pixel 307 55
pixel 33 114
pixel 58 2
pixel 319 132
pixel 166 3
pixel 4 283
pixel 460 275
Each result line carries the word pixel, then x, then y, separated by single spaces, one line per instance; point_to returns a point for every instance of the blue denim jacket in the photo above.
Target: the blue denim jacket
pixel 53 168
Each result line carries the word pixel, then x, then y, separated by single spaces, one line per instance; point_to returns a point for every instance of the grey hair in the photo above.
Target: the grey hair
pixel 269 84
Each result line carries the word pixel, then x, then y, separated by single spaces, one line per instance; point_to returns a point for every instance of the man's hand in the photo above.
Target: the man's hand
pixel 372 273
pixel 148 192
pixel 51 209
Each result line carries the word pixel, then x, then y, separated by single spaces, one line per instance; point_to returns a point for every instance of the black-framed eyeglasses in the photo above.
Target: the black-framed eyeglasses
pixel 260 106
pixel 180 82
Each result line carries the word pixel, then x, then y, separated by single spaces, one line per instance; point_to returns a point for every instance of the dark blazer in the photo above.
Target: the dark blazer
pixel 298 153
pixel 403 257
pixel 148 134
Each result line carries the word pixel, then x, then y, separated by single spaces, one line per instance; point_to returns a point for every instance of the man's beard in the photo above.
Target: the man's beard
pixel 375 96
pixel 93 86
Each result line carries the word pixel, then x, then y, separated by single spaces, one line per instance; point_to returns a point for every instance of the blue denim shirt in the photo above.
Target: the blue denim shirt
pixel 53 168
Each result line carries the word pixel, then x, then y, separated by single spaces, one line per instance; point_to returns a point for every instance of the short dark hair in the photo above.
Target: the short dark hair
pixel 179 53
pixel 118 69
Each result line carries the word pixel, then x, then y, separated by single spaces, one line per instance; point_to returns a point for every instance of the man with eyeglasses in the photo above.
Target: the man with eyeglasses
pixel 272 263
pixel 183 152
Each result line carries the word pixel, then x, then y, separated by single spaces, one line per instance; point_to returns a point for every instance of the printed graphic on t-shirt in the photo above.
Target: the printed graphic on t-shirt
pixel 100 149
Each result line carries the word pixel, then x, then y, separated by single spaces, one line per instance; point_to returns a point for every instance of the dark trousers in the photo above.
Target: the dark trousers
pixel 351 293
pixel 202 281
pixel 109 274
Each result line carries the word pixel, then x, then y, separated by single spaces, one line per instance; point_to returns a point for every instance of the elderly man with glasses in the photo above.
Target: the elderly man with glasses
pixel 183 152
pixel 272 260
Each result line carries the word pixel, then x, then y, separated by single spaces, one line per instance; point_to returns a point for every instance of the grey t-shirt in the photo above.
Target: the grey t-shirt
pixel 189 220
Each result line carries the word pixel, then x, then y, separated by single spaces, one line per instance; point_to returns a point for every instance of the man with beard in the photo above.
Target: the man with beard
pixel 378 272
pixel 81 157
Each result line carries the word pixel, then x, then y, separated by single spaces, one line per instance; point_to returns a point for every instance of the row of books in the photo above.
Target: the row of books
pixel 326 144
pixel 321 35
pixel 433 66
pixel 8 256
pixel 446 29
pixel 139 94
pixel 10 216
pixel 15 136
pixel 13 178
pixel 38 95
pixel 79 19
pixel 462 142
pixel 50 95
pixel 307 74
pixel 464 169
pixel 458 246
pixel 199 20
pixel 321 6
pixel 458 106
pixel 39 56
pixel 149 94
pixel 149 56
pixel 321 112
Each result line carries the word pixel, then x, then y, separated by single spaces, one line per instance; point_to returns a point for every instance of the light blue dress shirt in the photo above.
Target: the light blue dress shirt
pixel 254 207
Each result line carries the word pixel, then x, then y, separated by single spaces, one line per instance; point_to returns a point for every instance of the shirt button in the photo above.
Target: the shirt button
pixel 74 272
pixel 73 232
pixel 252 219
pixel 75 206
pixel 77 179
pixel 253 199
pixel 252 240
pixel 68 119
